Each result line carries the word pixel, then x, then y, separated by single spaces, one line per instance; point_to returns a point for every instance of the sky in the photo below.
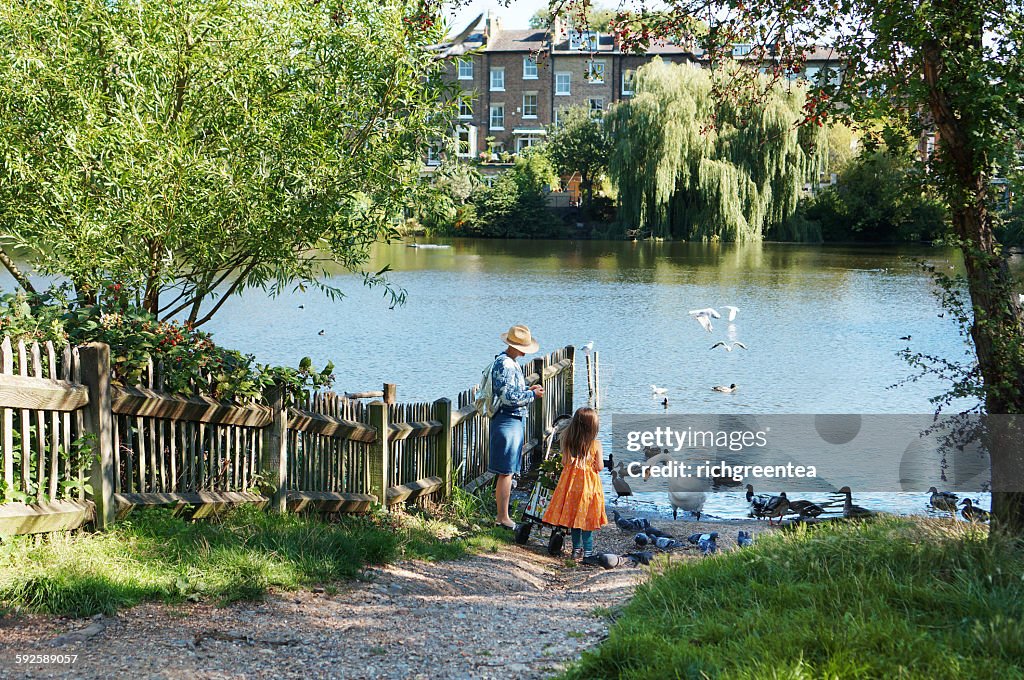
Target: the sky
pixel 516 15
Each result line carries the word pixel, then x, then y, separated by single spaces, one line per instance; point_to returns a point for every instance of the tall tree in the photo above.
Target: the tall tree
pixel 580 145
pixel 191 149
pixel 947 67
pixel 692 167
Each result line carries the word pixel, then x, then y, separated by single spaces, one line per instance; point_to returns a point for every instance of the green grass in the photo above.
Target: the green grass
pixel 154 556
pixel 892 598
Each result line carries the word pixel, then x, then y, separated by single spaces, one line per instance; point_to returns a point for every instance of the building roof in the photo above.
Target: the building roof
pixel 529 40
pixel 605 43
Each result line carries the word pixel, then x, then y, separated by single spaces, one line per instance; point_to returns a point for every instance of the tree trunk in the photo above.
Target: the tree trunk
pixel 19 276
pixel 997 330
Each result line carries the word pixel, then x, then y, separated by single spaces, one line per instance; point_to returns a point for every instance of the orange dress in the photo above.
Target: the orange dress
pixel 578 500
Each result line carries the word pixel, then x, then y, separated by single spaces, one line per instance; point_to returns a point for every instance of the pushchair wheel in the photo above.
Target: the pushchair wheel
pixel 523 532
pixel 555 543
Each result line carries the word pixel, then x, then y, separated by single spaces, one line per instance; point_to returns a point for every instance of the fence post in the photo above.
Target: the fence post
pixel 95 370
pixel 597 381
pixel 443 413
pixel 378 452
pixel 541 424
pixel 390 393
pixel 570 378
pixel 275 450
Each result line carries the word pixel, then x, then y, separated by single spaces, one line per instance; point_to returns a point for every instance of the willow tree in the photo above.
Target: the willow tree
pixel 692 166
pixel 190 149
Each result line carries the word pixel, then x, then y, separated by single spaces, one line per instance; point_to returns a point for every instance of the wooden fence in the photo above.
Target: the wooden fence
pixel 77 447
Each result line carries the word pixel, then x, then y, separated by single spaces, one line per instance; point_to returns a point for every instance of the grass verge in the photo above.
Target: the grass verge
pixel 893 598
pixel 155 556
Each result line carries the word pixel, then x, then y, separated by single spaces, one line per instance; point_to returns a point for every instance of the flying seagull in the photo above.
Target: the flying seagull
pixel 728 346
pixel 704 317
pixel 456 47
pixel 732 311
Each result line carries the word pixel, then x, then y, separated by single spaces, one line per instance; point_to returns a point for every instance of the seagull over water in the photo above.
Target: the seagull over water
pixel 732 311
pixel 704 317
pixel 728 346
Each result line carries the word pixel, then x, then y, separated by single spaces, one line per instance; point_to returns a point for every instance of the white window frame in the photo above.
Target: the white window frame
pixel 495 71
pixel 468 102
pixel 568 81
pixel 590 104
pixel 470 132
pixel 434 154
pixel 536 104
pixel 584 40
pixel 533 140
pixel 592 69
pixel 527 61
pixel 628 77
pixel 741 49
pixel 465 69
pixel 495 107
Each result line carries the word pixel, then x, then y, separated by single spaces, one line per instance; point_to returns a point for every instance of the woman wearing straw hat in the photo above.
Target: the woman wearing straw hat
pixel 508 425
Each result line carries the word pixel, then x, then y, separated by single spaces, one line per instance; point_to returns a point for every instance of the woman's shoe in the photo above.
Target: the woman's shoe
pixel 510 527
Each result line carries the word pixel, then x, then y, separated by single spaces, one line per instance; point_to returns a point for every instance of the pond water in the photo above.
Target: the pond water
pixel 823 325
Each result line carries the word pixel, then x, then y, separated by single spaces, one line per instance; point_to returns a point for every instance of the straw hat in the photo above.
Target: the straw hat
pixel 519 337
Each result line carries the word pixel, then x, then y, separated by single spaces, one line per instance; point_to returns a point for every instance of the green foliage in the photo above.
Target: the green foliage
pixel 189 150
pixel 580 145
pixel 30 317
pixel 889 599
pixel 515 206
pixel 690 166
pixel 878 198
pixel 449 210
pixel 584 15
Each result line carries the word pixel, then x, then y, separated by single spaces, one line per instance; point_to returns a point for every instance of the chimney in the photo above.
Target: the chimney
pixel 558 32
pixel 493 26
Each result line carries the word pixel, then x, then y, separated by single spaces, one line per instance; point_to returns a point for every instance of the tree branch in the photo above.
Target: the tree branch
pixel 18 275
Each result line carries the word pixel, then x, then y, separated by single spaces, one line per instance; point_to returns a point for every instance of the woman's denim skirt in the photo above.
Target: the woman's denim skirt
pixel 506 450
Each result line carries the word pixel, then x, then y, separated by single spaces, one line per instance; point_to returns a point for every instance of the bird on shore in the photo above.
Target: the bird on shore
pixel 973 514
pixel 744 539
pixel 805 508
pixel 723 389
pixel 943 500
pixel 851 511
pixel 728 346
pixel 704 316
pixel 686 494
pixel 620 485
pixel 756 502
pixel 659 390
pixel 732 311
pixel 456 47
pixel 705 542
pixel 775 507
pixel 630 523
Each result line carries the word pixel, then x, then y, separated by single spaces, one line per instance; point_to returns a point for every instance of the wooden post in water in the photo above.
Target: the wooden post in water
pixel 443 413
pixel 95 367
pixel 597 381
pixel 377 465
pixel 390 393
pixel 275 450
pixel 590 382
pixel 570 354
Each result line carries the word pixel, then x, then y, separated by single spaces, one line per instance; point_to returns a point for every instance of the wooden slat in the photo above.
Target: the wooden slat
pixel 7 368
pixel 479 482
pixel 400 431
pixel 463 414
pixel 55 418
pixel 41 394
pixel 413 490
pixel 19 518
pixel 141 401
pixel 307 421
pixel 196 505
pixel 326 501
pixel 26 439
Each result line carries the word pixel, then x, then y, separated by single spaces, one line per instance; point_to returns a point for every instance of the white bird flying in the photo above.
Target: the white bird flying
pixel 456 47
pixel 704 316
pixel 658 390
pixel 728 346
pixel 732 311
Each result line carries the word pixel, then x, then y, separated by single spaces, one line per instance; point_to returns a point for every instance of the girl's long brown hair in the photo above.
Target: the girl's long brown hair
pixel 581 433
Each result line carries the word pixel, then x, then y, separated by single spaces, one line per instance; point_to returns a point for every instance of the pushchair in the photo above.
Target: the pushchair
pixel 547 478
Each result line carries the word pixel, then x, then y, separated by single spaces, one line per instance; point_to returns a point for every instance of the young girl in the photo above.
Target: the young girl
pixel 578 500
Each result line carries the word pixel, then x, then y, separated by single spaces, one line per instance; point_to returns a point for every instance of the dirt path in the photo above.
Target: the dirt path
pixel 517 613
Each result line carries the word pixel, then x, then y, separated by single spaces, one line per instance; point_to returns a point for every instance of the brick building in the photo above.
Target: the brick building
pixel 515 83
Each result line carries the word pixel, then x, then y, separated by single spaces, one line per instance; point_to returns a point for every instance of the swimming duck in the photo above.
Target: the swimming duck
pixel 851 511
pixel 943 500
pixel 726 390
pixel 973 514
pixel 776 506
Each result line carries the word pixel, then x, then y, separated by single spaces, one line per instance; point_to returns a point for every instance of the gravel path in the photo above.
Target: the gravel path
pixel 516 613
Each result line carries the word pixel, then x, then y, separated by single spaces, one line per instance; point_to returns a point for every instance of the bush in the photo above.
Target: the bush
pixel 515 206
